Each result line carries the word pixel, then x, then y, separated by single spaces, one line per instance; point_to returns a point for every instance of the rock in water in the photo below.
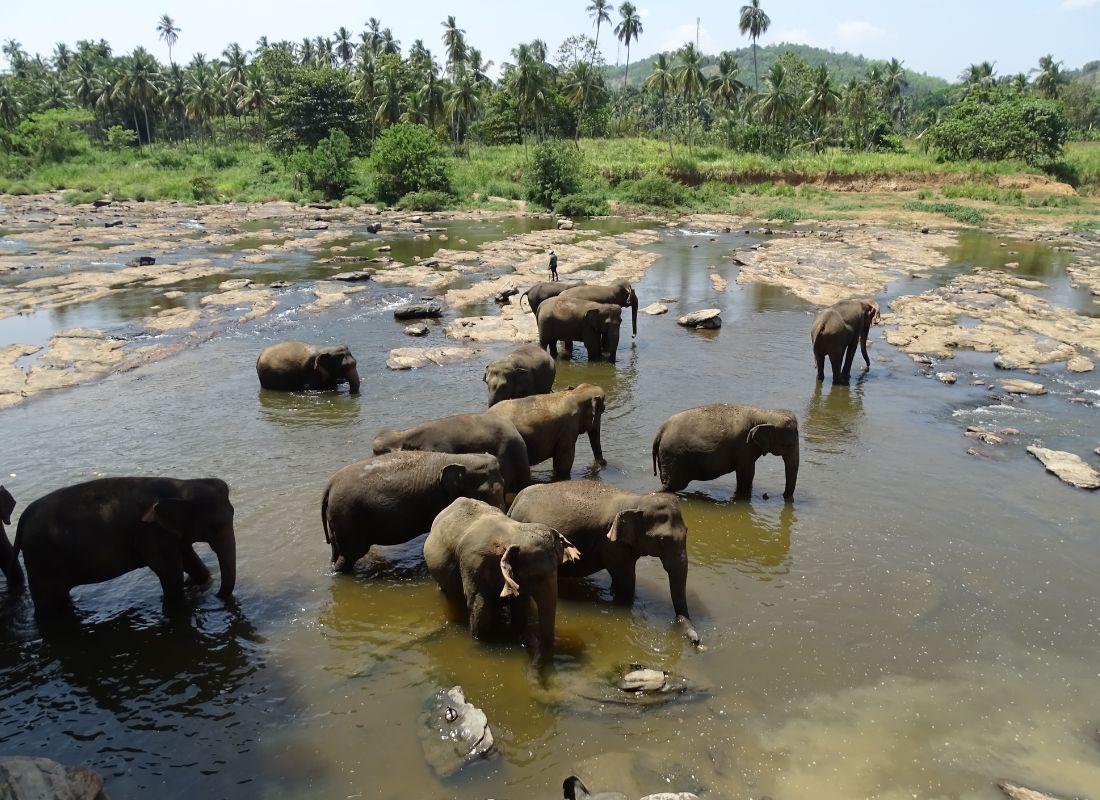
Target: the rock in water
pixel 947 377
pixel 655 309
pixel 141 261
pixel 234 283
pixel 1015 386
pixel 351 277
pixel 705 319
pixel 1016 792
pixel 23 778
pixel 1079 364
pixel 454 732
pixel 641 679
pixel 1069 467
pixel 419 311
pixel 417 357
pixel 420 329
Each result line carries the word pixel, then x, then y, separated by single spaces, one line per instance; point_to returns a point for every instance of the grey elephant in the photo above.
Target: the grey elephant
pixel 294 366
pixel 392 498
pixel 551 423
pixel 8 562
pixel 701 444
pixel 95 531
pixel 481 558
pixel 835 333
pixel 568 320
pixel 619 292
pixel 613 528
pixel 525 371
pixel 544 291
pixel 466 433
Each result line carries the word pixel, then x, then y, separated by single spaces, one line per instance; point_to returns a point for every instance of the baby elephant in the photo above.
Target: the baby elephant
pixel 466 433
pixel 480 558
pixel 294 366
pixel 701 444
pixel 95 531
pixel 526 371
pixel 835 333
pixel 568 319
pixel 8 562
pixel 392 498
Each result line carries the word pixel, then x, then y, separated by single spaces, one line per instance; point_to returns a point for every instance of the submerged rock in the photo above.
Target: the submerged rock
pixel 419 311
pixel 420 329
pixel 23 778
pixel 718 282
pixel 417 357
pixel 141 261
pixel 1016 792
pixel 573 788
pixel 1070 467
pixel 654 309
pixel 946 377
pixel 1016 386
pixel 707 318
pixel 352 277
pixel 453 732
pixel 1079 364
pixel 235 283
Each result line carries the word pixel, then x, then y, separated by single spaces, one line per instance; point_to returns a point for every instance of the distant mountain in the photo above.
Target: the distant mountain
pixel 844 66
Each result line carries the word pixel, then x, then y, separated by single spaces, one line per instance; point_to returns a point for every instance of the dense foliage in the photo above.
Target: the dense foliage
pixel 1031 130
pixel 555 172
pixel 409 158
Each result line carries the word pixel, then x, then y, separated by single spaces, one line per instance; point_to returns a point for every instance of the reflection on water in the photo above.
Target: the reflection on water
pixel 831 421
pixel 312 408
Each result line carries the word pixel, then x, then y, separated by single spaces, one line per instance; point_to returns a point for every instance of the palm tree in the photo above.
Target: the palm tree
pixel 725 88
pixel 583 88
pixel 389 45
pixel 305 52
pixel 479 69
pixel 463 101
pixel 169 33
pixel 1050 77
pixel 978 77
pixel 62 57
pixel 428 101
pixel 392 95
pixel 202 98
pixel 755 23
pixel 778 102
pixel 139 85
pixel 629 28
pixel 372 36
pixel 822 101
pixel 662 82
pixel 345 48
pixel 454 42
pixel 9 105
pixel 529 84
pixel 1018 82
pixel 892 80
pixel 173 95
pixel 690 81
pixel 600 11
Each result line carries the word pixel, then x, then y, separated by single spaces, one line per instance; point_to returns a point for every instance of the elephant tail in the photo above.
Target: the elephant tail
pixel 523 297
pixel 324 515
pixel 656 447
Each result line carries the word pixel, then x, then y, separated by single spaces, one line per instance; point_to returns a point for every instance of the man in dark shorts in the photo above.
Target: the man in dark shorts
pixel 553 266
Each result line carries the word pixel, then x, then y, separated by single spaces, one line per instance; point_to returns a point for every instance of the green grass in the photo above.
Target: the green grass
pixel 959 213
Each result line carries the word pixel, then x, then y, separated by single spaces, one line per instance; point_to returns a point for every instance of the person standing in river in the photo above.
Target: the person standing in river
pixel 553 266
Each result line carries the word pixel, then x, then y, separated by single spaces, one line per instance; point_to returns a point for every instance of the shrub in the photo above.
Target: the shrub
pixel 582 204
pixel 555 172
pixel 221 159
pixel 684 170
pixel 1025 128
pixel 352 201
pixel 925 194
pixel 653 190
pixel 784 214
pixel 427 200
pixel 77 197
pixel 203 189
pixel 166 159
pixel 409 158
pixel 964 214
pixel 119 138
pixel 327 168
pixel 53 136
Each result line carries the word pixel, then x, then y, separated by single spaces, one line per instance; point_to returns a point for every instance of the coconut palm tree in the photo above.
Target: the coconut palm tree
pixel 305 52
pixel 202 97
pixel 584 90
pixel 628 29
pixel 389 45
pixel 528 79
pixel 62 57
pixel 173 95
pixel 10 108
pixel 600 11
pixel 139 85
pixel 463 101
pixel 778 102
pixel 978 77
pixel 454 42
pixel 755 23
pixel 690 81
pixel 479 68
pixel 428 105
pixel 345 47
pixel 822 101
pixel 372 36
pixel 391 96
pixel 1049 77
pixel 662 83
pixel 725 88
pixel 169 33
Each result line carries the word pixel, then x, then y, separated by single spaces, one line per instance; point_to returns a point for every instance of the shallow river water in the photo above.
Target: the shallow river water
pixel 919 622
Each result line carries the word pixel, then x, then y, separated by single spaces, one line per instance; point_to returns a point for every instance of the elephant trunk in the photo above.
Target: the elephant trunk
pixel 594 440
pixel 352 374
pixel 634 313
pixel 790 466
pixel 225 548
pixel 546 600
pixel 676 566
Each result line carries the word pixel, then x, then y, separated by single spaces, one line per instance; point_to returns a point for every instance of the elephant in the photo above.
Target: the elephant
pixel 481 557
pixel 573 788
pixel 525 371
pixel 571 320
pixel 8 562
pixel 466 433
pixel 293 366
pixel 393 498
pixel 701 444
pixel 95 531
pixel 619 293
pixel 613 528
pixel 836 331
pixel 551 423
pixel 544 291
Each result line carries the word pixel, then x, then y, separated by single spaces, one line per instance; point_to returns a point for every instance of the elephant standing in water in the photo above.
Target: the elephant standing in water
pixel 613 528
pixel 570 319
pixel 701 444
pixel 8 561
pixel 294 366
pixel 480 558
pixel 835 333
pixel 619 292
pixel 466 433
pixel 544 291
pixel 525 371
pixel 392 498
pixel 551 423
pixel 95 531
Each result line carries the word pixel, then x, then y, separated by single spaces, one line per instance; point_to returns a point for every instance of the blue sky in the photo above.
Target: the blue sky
pixel 936 36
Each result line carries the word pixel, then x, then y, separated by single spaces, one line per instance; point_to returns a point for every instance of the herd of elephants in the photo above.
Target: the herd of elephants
pixel 452 477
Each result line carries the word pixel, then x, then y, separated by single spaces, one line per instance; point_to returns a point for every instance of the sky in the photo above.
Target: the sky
pixel 940 37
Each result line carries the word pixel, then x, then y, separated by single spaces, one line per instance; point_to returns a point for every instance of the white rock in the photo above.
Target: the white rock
pixel 416 357
pixel 947 377
pixel 655 309
pixel 705 318
pixel 235 283
pixel 1016 792
pixel 1070 467
pixel 1016 386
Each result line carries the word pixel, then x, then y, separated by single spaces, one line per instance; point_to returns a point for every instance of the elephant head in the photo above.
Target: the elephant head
pixel 591 403
pixel 603 323
pixel 7 505
pixel 628 297
pixel 654 526
pixel 504 381
pixel 336 364
pixel 779 437
pixel 480 480
pixel 529 567
pixel 203 515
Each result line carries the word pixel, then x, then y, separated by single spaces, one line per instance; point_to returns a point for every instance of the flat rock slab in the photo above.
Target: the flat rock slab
pixel 1079 364
pixel 23 778
pixel 1070 467
pixel 420 329
pixel 417 357
pixel 453 732
pixel 654 309
pixel 1017 792
pixel 705 319
pixel 351 277
pixel 718 282
pixel 419 311
pixel 235 283
pixel 1015 386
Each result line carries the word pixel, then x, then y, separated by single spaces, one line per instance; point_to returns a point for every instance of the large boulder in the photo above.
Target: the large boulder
pixel 352 277
pixel 453 732
pixel 705 319
pixel 23 778
pixel 417 357
pixel 1017 386
pixel 419 311
pixel 1070 467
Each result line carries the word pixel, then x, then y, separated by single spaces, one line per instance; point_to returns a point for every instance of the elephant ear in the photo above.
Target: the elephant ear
pixel 451 478
pixel 507 569
pixel 871 314
pixel 626 527
pixel 7 505
pixel 170 513
pixel 592 317
pixel 762 436
pixel 569 551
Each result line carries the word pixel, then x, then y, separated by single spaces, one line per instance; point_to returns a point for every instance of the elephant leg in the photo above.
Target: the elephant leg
pixel 564 454
pixel 484 617
pixel 819 358
pixel 9 562
pixel 623 579
pixel 837 360
pixel 552 346
pixel 746 471
pixel 849 356
pixel 50 597
pixel 167 564
pixel 197 573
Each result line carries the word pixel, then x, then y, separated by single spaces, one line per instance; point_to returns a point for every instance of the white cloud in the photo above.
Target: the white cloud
pixel 856 32
pixel 678 37
pixel 1075 5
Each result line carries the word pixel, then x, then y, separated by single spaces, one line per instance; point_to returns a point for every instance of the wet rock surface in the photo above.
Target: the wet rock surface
pixel 419 311
pixel 23 778
pixel 1019 386
pixel 707 318
pixel 417 357
pixel 1069 467
pixel 1014 791
pixel 454 732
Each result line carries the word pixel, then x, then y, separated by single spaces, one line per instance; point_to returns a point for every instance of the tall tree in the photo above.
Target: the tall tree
pixel 583 88
pixel 755 23
pixel 725 88
pixel 600 11
pixel 138 85
pixel 345 47
pixel 690 82
pixel 169 33
pixel 662 83
pixel 778 102
pixel 1049 77
pixel 628 29
pixel 454 42
pixel 821 101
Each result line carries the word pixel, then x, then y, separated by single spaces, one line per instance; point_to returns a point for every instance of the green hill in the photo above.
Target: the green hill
pixel 844 66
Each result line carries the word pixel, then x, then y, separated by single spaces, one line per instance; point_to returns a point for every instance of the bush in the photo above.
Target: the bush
pixel 684 170
pixel 166 159
pixel 76 197
pixel 784 214
pixel 352 201
pixel 409 158
pixel 964 214
pixel 582 204
pixel 203 189
pixel 555 172
pixel 221 159
pixel 327 168
pixel 53 136
pixel 119 138
pixel 1031 130
pixel 427 200
pixel 653 190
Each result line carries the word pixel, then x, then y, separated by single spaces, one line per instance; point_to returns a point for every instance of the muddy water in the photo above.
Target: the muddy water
pixel 917 623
